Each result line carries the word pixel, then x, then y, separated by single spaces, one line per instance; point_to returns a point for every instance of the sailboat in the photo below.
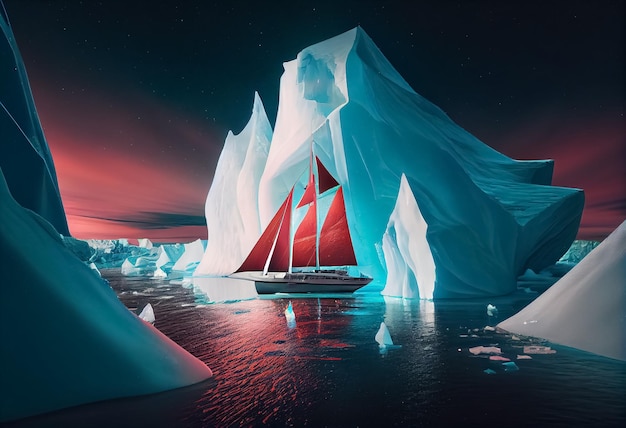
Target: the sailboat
pixel 271 262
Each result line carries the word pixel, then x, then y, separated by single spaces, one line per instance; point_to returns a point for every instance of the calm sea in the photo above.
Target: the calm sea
pixel 327 370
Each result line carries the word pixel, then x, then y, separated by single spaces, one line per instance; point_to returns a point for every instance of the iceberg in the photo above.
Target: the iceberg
pixel 416 185
pixel 147 314
pixel 190 258
pixel 383 338
pixel 25 158
pixel 586 308
pixel 231 207
pixel 77 343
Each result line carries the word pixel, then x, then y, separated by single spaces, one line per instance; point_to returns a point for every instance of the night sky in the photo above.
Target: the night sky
pixel 136 97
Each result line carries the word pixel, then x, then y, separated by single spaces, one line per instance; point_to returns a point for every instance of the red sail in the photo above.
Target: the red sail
pixel 304 241
pixel 280 256
pixel 274 232
pixel 325 179
pixel 335 245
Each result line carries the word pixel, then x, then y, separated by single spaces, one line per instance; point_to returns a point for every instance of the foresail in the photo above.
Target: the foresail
pixel 335 244
pixel 272 242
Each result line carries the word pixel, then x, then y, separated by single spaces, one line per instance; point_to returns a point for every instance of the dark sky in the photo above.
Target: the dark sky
pixel 136 97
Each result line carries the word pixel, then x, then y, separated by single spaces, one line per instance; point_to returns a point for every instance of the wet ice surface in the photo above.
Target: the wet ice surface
pixel 327 369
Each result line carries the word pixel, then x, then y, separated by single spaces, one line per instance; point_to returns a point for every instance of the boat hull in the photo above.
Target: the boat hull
pixel 307 283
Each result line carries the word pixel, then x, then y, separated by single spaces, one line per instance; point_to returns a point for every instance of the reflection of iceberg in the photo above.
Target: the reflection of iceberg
pixel 290 316
pixel 483 217
pixel 220 289
pixel 585 309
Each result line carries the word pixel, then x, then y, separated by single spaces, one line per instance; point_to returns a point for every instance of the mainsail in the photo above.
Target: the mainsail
pixel 332 246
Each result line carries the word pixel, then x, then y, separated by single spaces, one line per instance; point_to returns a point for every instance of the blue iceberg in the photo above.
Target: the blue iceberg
pixel 25 158
pixel 476 218
pixel 66 338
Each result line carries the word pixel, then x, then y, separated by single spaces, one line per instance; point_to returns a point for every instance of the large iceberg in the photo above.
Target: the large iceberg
pixel 484 217
pixel 66 338
pixel 231 207
pixel 586 309
pixel 25 158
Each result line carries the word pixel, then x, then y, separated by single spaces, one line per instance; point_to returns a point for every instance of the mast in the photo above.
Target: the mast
pixel 317 228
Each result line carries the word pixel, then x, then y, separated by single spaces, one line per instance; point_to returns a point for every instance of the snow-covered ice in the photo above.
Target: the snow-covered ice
pixel 586 308
pixel 147 314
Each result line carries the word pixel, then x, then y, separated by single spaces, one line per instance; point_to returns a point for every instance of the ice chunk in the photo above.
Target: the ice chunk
pixel 510 366
pixel 492 311
pixel 138 266
pixel 538 349
pixel 190 258
pixel 159 273
pixel 483 217
pixel 489 371
pixel 147 314
pixel 477 350
pixel 383 337
pixel 524 357
pixel 145 243
pixel 586 308
pixel 498 358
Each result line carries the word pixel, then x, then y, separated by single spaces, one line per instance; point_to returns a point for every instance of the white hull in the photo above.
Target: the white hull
pixel 305 282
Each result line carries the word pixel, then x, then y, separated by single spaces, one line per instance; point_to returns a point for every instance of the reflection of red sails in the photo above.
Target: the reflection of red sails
pixel 333 246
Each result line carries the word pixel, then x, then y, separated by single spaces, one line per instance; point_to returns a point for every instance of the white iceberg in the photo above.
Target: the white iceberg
pixel 147 314
pixel 383 337
pixel 586 309
pixel 231 207
pixel 492 311
pixel 414 182
pixel 190 258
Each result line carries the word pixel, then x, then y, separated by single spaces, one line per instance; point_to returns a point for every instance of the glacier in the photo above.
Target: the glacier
pixel 25 157
pixel 483 217
pixel 586 308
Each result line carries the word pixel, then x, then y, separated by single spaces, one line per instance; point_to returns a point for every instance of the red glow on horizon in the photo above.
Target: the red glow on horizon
pixel 588 155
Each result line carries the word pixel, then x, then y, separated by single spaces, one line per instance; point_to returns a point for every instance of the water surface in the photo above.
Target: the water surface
pixel 327 369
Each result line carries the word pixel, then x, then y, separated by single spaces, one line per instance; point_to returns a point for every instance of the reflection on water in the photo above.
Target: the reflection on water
pixel 326 369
